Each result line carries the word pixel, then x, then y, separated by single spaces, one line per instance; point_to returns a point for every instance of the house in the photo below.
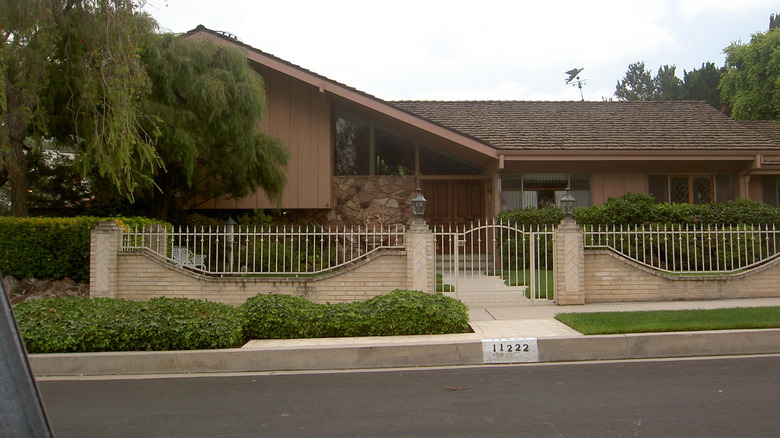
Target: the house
pixel 357 159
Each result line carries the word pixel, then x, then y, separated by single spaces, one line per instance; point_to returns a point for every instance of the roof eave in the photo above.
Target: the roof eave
pixel 329 86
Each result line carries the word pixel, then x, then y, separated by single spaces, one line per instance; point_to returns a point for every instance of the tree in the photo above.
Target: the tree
pixel 70 69
pixel 667 85
pixel 751 83
pixel 638 84
pixel 702 84
pixel 205 108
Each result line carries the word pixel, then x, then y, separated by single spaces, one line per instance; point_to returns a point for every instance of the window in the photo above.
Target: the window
pixel 362 148
pixel 440 163
pixel 692 188
pixel 538 190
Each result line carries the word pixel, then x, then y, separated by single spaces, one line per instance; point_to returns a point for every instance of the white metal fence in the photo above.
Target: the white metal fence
pixel 495 262
pixel 268 250
pixel 690 249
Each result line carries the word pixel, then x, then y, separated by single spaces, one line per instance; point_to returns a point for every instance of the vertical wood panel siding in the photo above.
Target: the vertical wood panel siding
pixel 605 185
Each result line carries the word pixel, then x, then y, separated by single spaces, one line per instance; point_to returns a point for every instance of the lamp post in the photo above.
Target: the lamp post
pixel 567 203
pixel 229 227
pixel 418 204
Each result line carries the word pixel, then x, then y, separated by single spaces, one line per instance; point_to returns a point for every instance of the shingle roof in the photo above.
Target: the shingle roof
pixel 519 125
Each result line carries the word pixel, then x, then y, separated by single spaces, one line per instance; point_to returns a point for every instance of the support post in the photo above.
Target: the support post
pixel 105 243
pixel 420 257
pixel 569 263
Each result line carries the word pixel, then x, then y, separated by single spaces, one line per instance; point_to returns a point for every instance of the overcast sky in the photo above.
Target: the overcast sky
pixel 469 50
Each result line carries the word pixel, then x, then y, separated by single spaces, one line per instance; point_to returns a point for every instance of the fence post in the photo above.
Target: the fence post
pixel 569 263
pixel 105 242
pixel 420 257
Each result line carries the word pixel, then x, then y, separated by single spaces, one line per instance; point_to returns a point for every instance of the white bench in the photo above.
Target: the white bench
pixel 184 257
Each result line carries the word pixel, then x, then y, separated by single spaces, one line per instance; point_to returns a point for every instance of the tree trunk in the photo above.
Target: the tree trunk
pixel 13 152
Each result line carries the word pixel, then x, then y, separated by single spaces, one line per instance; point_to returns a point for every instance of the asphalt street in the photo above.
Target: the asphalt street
pixel 713 397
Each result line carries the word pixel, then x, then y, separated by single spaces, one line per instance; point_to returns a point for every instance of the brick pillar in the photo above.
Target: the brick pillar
pixel 569 263
pixel 105 242
pixel 420 257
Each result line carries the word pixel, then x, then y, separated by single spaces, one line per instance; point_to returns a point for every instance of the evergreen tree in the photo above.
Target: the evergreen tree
pixel 204 113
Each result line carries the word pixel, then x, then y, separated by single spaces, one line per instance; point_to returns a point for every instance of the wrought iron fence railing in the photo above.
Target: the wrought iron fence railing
pixel 520 255
pixel 690 249
pixel 267 250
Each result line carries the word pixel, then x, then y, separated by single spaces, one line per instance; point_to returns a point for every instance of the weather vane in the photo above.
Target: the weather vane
pixel 575 81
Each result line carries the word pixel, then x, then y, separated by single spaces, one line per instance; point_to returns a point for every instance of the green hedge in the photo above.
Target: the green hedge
pixel 65 325
pixel 638 208
pixel 51 247
pixel 61 325
pixel 400 312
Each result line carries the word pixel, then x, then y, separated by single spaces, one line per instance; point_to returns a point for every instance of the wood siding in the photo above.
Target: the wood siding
pixel 605 185
pixel 299 115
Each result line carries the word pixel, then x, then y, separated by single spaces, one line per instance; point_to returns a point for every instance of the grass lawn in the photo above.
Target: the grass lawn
pixel 605 323
pixel 545 288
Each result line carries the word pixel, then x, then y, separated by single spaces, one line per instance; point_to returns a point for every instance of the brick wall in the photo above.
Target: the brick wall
pixel 141 276
pixel 611 278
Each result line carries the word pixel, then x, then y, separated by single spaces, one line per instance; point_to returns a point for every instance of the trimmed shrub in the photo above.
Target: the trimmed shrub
pixel 276 316
pixel 405 312
pixel 400 312
pixel 51 247
pixel 61 325
pixel 640 208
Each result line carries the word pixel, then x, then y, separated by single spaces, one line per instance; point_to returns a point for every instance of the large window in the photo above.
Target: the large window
pixel 692 188
pixel 539 190
pixel 362 148
pixel 367 148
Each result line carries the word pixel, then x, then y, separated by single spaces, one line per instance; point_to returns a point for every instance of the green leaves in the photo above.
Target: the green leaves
pixel 400 312
pixel 208 103
pixel 639 208
pixel 751 84
pixel 60 325
pixel 51 247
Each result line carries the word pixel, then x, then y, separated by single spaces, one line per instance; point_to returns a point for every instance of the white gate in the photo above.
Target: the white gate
pixel 495 262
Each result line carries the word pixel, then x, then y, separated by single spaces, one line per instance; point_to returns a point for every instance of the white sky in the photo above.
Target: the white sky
pixel 469 50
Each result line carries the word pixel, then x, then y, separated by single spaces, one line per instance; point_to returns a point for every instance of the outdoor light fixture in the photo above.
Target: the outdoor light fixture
pixel 418 204
pixel 567 203
pixel 229 225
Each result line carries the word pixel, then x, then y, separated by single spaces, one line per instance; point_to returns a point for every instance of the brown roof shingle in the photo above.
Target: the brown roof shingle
pixel 520 125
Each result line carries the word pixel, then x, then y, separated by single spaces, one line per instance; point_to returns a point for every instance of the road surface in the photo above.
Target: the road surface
pixel 719 397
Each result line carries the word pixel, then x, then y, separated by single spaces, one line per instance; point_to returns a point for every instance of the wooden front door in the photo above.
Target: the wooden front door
pixel 454 201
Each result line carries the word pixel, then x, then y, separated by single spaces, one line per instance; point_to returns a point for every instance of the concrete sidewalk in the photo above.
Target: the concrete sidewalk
pixel 515 324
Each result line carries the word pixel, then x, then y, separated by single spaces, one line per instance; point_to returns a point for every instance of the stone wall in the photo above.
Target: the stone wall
pixel 372 200
pixel 610 278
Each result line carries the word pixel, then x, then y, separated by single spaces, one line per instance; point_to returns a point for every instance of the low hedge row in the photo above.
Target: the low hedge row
pixel 61 325
pixel 639 208
pixel 51 247
pixel 400 312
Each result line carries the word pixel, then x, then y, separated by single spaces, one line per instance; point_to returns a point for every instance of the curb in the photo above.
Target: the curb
pixel 448 350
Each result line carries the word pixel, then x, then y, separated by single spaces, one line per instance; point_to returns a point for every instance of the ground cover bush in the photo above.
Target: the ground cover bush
pixel 400 312
pixel 69 325
pixel 60 325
